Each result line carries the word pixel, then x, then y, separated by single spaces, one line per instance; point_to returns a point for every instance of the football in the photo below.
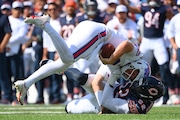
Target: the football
pixel 107 50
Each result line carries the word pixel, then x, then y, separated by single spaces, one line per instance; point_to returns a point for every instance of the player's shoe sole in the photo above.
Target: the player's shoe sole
pixel 21 91
pixel 38 21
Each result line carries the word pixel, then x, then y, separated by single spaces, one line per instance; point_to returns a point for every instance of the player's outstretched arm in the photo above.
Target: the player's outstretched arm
pixel 130 8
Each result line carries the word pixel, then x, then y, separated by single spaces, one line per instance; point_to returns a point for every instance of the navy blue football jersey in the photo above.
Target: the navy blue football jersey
pixel 4 26
pixel 136 105
pixel 67 26
pixel 154 19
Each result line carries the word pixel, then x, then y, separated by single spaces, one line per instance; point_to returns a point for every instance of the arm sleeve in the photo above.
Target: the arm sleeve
pixel 134 30
pixel 20 37
pixel 7 27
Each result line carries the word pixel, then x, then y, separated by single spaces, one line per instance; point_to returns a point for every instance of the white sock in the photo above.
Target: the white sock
pixel 98 95
pixel 45 71
pixel 88 85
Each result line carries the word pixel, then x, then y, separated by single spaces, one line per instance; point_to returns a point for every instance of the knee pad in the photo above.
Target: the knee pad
pixel 77 76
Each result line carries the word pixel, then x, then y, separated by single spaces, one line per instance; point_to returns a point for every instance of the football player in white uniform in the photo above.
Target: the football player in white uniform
pixel 85 42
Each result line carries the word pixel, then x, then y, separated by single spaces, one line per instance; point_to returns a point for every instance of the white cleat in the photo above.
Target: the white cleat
pixel 21 91
pixel 38 21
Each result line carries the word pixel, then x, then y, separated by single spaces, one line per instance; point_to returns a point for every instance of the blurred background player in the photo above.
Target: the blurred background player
pixel 5 34
pixel 6 9
pixel 13 49
pixel 91 12
pixel 173 35
pixel 122 23
pixel 49 52
pixel 109 12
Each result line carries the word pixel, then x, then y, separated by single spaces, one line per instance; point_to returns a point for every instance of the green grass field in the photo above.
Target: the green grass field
pixel 56 112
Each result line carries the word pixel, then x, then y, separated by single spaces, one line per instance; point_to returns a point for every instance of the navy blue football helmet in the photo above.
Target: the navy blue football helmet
pixel 149 88
pixel 90 7
pixel 154 3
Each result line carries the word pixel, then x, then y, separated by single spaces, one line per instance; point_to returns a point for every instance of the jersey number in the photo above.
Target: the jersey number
pixel 67 30
pixel 124 90
pixel 151 19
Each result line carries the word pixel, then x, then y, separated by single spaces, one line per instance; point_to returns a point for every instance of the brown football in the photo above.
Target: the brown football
pixel 107 50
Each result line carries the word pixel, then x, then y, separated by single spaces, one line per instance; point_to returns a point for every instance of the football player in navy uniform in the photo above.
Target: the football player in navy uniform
pixel 152 44
pixel 91 12
pixel 130 98
pixel 68 21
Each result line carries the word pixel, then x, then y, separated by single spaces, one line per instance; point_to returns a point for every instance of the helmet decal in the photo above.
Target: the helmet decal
pixel 150 88
pixel 153 91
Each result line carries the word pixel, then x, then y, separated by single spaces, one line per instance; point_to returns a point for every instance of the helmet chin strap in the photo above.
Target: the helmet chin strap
pixel 140 81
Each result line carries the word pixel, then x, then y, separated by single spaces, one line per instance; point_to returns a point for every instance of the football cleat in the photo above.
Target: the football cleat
pixel 21 91
pixel 38 21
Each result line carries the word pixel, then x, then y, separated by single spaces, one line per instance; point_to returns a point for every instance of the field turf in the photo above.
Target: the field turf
pixel 56 112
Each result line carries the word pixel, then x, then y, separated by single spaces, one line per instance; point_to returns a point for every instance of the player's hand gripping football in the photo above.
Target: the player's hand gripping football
pixel 105 60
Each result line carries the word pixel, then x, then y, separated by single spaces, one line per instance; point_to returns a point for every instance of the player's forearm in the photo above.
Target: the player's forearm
pixel 123 48
pixel 130 8
pixel 97 82
pixel 115 105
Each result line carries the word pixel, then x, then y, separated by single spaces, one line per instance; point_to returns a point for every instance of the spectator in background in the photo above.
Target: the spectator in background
pixel 123 24
pixel 68 21
pixel 37 42
pixel 40 7
pixel 173 83
pixel 110 10
pixel 174 37
pixel 5 83
pixel 13 48
pixel 28 52
pixel 49 51
pixel 6 9
pixel 80 9
pixel 27 49
pixel 68 24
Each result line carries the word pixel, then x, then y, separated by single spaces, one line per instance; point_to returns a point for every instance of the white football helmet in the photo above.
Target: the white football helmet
pixel 135 70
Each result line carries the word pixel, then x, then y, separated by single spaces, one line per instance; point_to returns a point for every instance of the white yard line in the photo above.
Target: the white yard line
pixel 31 112
pixel 32 108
